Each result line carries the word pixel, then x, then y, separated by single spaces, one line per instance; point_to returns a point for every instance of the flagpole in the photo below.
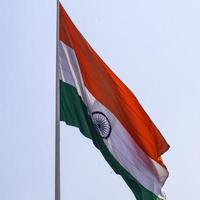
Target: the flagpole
pixel 57 117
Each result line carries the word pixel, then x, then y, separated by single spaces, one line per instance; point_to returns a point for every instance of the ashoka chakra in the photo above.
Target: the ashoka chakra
pixel 102 124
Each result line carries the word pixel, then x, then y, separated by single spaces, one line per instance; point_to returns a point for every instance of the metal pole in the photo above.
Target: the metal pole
pixel 57 117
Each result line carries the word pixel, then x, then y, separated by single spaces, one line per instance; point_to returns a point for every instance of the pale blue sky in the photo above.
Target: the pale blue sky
pixel 153 46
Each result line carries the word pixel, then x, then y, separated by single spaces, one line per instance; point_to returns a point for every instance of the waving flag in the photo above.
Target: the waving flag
pixel 96 101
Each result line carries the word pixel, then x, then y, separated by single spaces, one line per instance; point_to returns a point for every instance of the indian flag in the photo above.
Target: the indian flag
pixel 96 101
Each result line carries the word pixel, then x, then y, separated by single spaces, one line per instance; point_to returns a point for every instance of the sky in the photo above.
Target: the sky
pixel 153 46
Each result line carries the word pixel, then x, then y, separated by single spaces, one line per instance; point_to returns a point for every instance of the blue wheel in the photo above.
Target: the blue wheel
pixel 102 124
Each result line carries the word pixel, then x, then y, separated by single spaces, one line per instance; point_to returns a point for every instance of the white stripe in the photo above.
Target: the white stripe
pixel 70 71
pixel 122 146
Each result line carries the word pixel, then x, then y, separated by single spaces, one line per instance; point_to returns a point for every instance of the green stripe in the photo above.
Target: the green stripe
pixel 74 113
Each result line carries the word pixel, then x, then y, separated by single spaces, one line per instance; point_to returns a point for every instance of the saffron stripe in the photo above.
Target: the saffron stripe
pixel 103 83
